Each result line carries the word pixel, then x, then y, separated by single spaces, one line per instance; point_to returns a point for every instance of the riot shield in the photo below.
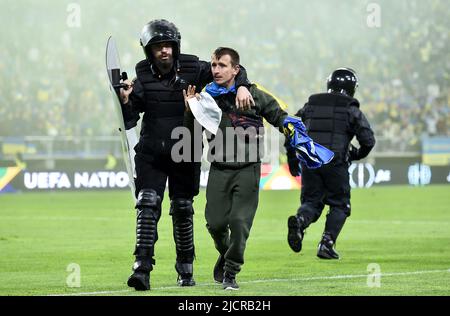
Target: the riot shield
pixel 129 137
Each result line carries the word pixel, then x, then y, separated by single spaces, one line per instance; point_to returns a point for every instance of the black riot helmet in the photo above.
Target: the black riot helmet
pixel 158 31
pixel 343 80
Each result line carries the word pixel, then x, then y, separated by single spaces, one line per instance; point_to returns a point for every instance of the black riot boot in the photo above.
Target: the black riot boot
pixel 148 213
pixel 335 222
pixel 326 248
pixel 185 274
pixel 296 231
pixel 182 213
pixel 140 279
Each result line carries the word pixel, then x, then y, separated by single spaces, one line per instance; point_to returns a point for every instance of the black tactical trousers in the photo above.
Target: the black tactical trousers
pixel 152 172
pixel 326 185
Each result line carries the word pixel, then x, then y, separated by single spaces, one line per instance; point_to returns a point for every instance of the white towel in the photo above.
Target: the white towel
pixel 206 112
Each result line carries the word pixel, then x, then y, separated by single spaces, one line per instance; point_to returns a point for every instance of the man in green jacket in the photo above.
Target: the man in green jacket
pixel 235 155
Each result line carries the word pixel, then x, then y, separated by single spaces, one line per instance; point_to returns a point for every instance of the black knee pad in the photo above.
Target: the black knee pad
pixel 148 198
pixel 342 211
pixel 181 207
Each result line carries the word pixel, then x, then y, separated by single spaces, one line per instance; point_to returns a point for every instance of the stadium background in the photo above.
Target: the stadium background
pixel 56 111
pixel 57 129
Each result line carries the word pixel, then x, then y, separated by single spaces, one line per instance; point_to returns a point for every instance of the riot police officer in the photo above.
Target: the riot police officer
pixel 158 92
pixel 332 119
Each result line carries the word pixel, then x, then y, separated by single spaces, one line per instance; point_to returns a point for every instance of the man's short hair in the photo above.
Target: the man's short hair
pixel 221 51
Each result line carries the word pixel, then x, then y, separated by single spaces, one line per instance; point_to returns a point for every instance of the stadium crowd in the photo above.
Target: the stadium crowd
pixel 54 82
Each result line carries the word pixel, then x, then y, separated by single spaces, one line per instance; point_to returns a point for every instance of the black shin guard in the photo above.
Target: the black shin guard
pixel 148 206
pixel 182 213
pixel 183 233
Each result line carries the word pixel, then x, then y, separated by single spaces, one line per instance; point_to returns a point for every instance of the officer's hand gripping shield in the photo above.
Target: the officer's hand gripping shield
pixel 129 137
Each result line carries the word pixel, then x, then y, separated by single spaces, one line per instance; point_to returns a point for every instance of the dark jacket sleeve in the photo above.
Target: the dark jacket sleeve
pixel 269 108
pixel 364 134
pixel 206 76
pixel 275 115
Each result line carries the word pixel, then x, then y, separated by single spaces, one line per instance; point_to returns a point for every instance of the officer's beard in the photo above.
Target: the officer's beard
pixel 164 66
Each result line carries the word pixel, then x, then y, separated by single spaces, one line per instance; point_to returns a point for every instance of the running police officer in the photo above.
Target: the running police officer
pixel 332 119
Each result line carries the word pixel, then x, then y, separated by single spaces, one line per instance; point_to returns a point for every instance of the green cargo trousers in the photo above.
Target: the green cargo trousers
pixel 231 202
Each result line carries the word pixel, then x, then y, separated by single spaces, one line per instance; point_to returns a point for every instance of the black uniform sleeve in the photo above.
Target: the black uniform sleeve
pixel 189 121
pixel 196 138
pixel 206 76
pixel 301 112
pixel 135 105
pixel 242 79
pixel 364 134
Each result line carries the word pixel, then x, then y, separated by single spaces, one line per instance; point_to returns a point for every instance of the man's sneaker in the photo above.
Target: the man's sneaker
pixel 326 248
pixel 219 269
pixel 295 233
pixel 229 282
pixel 140 281
pixel 185 274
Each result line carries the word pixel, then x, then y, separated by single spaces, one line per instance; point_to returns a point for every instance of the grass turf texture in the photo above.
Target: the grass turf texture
pixel 402 229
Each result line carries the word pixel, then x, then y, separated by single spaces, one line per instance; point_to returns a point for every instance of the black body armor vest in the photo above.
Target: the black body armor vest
pixel 164 102
pixel 326 118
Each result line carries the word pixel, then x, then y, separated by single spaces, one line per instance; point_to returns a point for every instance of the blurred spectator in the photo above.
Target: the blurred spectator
pixel 53 79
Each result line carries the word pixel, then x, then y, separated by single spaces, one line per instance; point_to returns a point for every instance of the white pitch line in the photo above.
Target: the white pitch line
pixel 91 293
pixel 399 222
pixel 349 276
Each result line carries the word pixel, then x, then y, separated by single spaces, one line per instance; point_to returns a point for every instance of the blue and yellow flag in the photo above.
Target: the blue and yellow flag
pixel 311 154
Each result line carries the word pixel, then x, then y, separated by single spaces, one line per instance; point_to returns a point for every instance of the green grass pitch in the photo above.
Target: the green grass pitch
pixel 404 230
